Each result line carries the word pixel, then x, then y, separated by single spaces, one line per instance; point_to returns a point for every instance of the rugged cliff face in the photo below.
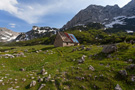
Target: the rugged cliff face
pixel 109 15
pixel 7 35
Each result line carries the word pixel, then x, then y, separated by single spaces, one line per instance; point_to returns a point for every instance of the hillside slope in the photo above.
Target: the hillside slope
pixel 22 65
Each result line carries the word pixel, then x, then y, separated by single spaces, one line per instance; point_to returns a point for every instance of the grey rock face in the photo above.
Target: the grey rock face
pixel 129 9
pixel 100 14
pixel 7 35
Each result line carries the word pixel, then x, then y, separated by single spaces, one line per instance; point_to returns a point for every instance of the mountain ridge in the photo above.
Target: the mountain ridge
pixel 101 14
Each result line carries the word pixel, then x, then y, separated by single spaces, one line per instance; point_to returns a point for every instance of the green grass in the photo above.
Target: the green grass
pixel 63 67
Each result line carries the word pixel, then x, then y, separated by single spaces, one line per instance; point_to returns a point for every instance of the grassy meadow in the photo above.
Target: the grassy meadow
pixel 62 65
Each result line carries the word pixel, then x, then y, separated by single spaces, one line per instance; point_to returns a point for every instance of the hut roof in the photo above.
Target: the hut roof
pixel 66 37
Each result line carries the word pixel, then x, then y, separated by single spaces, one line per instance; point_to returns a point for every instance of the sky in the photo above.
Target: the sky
pixel 21 15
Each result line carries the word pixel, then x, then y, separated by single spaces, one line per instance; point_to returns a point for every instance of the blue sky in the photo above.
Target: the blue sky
pixel 21 15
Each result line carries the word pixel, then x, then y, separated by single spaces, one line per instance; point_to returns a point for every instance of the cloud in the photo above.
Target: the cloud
pixel 33 11
pixel 8 5
pixel 12 25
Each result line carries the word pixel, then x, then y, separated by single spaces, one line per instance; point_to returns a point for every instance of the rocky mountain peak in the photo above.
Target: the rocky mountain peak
pixel 101 14
pixel 129 9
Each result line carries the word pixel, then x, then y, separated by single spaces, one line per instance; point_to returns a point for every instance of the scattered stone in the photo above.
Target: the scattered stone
pixel 90 75
pixel 42 85
pixel 33 83
pixel 117 59
pixel 40 80
pixel 130 60
pixel 107 65
pixel 24 79
pixel 3 84
pixel 123 73
pixel 90 56
pixel 88 49
pixel 95 77
pixel 82 47
pixel 131 67
pixel 101 75
pixel 22 69
pixel 109 56
pixel 43 71
pixel 133 78
pixel 83 87
pixel 10 88
pixel 17 86
pixel 1 81
pixel 82 59
pixel 47 79
pixel 118 87
pixel 16 79
pixel 91 68
pixel 109 49
pixel 74 50
pixel 101 64
pixel 26 50
pixel 32 77
pixel 80 78
pixel 52 80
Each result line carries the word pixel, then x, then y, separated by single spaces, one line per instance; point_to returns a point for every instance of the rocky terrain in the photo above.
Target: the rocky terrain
pixel 109 15
pixel 7 35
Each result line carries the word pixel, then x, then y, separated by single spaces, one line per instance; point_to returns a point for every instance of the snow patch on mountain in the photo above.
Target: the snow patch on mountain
pixel 118 20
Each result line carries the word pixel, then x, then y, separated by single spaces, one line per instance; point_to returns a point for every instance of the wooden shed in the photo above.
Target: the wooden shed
pixel 65 39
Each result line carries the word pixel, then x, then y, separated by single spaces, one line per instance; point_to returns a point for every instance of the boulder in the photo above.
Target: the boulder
pixel 42 85
pixel 88 49
pixel 130 60
pixel 22 69
pixel 40 80
pixel 43 71
pixel 123 73
pixel 131 67
pixel 74 50
pixel 23 79
pixel 82 59
pixel 133 78
pixel 91 68
pixel 109 49
pixel 118 87
pixel 33 83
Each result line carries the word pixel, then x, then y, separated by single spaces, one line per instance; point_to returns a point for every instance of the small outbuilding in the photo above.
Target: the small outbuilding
pixel 65 39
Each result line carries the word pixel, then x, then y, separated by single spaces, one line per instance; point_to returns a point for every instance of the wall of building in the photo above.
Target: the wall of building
pixel 58 41
pixel 68 44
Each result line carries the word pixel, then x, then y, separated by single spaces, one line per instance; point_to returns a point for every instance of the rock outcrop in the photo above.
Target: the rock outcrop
pixel 109 49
